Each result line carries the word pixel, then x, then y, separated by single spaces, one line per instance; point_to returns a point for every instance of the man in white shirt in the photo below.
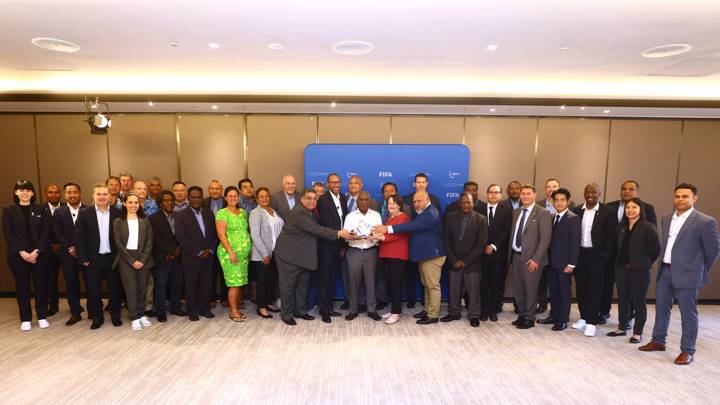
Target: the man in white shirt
pixel 362 256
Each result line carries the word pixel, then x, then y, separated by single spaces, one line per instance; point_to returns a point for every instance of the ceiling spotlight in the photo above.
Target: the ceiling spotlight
pixel 562 107
pixel 213 45
pixel 150 103
pixel 492 48
pixel 333 104
pixel 174 44
pixel 582 108
pixel 565 48
pixel 56 45
pixel 492 110
pixel 276 46
pixel 664 51
pixel 606 112
pixel 352 48
pixel 214 107
pixel 99 122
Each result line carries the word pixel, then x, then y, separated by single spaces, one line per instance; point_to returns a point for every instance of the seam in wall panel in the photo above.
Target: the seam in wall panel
pixel 607 162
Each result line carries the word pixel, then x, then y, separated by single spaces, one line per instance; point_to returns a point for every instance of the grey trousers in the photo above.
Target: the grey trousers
pixel 135 284
pixel 362 265
pixel 665 293
pixel 293 286
pixel 525 286
pixel 459 282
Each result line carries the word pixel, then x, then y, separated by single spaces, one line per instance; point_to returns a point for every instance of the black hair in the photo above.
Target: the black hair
pixel 637 202
pixel 23 185
pixel 245 180
pixel 332 174
pixel 307 190
pixel 162 194
pixel 470 183
pixel 111 178
pixel 562 191
pixel 193 188
pixel 493 185
pixel 389 183
pixel 637 185
pixel 421 174
pixel 687 186
pixel 179 182
pixel 71 184
pixel 397 199
pixel 229 189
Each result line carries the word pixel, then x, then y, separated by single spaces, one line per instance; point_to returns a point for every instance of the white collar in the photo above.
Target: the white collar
pixel 595 208
pixel 684 214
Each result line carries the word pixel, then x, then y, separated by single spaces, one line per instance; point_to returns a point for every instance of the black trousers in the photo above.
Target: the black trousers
pixel 492 283
pixel 328 268
pixel 543 287
pixel 411 282
pixel 71 274
pixel 267 276
pixel 198 279
pixel 589 276
pixel 632 289
pixel 94 275
pixel 560 284
pixel 608 286
pixel 168 282
pixel 217 275
pixel 394 274
pixel 25 273
pixel 52 269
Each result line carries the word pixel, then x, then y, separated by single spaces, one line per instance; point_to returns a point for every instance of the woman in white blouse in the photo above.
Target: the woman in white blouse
pixel 265 227
pixel 133 238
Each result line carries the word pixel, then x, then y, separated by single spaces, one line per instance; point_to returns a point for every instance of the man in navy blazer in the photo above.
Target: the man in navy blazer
pixel 427 249
pixel 690 246
pixel 52 259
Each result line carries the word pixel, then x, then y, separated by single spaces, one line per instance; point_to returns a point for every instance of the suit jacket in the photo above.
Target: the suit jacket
pixel 694 251
pixel 190 236
pixel 602 232
pixel 297 243
pixel 508 204
pixel 565 243
pixel 329 218
pixel 64 227
pixel 164 242
pixel 408 204
pixel 472 246
pixel 536 235
pixel 644 247
pixel 499 229
pixel 50 215
pixel 426 241
pixel 15 231
pixel 571 204
pixel 279 203
pixel 143 254
pixel 206 203
pixel 87 234
pixel 455 206
pixel 647 208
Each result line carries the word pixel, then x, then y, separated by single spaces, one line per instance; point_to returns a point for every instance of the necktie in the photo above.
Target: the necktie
pixel 351 205
pixel 491 216
pixel 557 219
pixel 463 226
pixel 518 235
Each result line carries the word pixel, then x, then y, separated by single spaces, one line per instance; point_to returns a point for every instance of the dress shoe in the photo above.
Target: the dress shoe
pixel 362 309
pixel 335 313
pixel 351 316
pixel 326 318
pixel 547 321
pixel 193 317
pixel 559 326
pixel 525 324
pixel 213 303
pixel 96 323
pixel 52 310
pixel 374 316
pixel 420 315
pixel 426 321
pixel 116 321
pixel 684 359
pixel 305 317
pixel 449 318
pixel 635 340
pixel 162 318
pixel 518 321
pixel 266 316
pixel 541 308
pixel 208 314
pixel 179 312
pixel 411 305
pixel 616 333
pixel 272 309
pixel 150 313
pixel 590 330
pixel 652 347
pixel 493 317
pixel 25 326
pixel 484 317
pixel 474 322
pixel 381 305
pixel 290 321
pixel 345 305
pixel 73 320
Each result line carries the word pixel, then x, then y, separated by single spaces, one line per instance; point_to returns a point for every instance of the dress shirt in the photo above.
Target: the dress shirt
pixel 362 224
pixel 621 211
pixel 290 200
pixel 517 226
pixel 74 212
pixel 181 206
pixel 150 206
pixel 675 226
pixel 247 205
pixel 515 203
pixel 133 231
pixel 199 218
pixel 336 201
pixel 118 203
pixel 487 214
pixel 171 220
pixel 390 229
pixel 351 203
pixel 103 219
pixel 53 208
pixel 587 224
pixel 550 207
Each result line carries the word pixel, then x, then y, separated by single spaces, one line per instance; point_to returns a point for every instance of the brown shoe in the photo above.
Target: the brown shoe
pixel 652 347
pixel 73 320
pixel 684 359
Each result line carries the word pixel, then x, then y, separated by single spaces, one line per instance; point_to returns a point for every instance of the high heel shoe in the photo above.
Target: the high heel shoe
pixel 268 316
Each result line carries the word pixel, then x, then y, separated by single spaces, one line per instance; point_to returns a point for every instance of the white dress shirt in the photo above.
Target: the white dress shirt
pixel 675 226
pixel 74 212
pixel 517 226
pixel 103 219
pixel 53 208
pixel 134 230
pixel 621 211
pixel 362 224
pixel 587 224
pixel 290 200
pixel 336 201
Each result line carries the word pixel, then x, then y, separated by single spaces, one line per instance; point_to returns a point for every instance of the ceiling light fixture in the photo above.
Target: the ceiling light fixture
pixel 174 44
pixel 213 45
pixel 352 48
pixel 582 108
pixel 55 45
pixel 150 103
pixel 492 110
pixel 276 46
pixel 565 48
pixel 664 51
pixel 492 48
pixel 606 112
pixel 214 107
pixel 333 104
pixel 562 107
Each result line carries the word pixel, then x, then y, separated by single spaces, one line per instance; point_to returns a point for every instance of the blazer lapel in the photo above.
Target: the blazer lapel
pixel 530 217
pixel 688 223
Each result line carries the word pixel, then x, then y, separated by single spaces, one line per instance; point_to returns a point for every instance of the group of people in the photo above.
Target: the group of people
pixel 153 247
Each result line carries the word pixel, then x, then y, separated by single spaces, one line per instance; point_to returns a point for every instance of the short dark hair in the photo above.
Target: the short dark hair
pixel 514 182
pixel 68 184
pixel 493 185
pixel 331 174
pixel 389 183
pixel 162 194
pixel 470 183
pixel 140 212
pixel 396 198
pixel 421 174
pixel 245 180
pixel 319 183
pixel 530 186
pixel 637 185
pixel 23 185
pixel 686 186
pixel 263 188
pixel 111 178
pixel 229 189
pixel 562 191
pixel 193 188
pixel 306 191
pixel 179 182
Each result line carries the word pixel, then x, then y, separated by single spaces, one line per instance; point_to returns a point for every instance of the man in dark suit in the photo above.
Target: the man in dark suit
pixel 470 187
pixel 562 259
pixel 214 203
pixel 690 247
pixel 494 269
pixel 420 183
pixel 332 209
pixel 296 255
pixel 166 254
pixel 64 221
pixel 284 201
pixel 465 232
pixel 52 259
pixel 96 255
pixel 528 246
pixel 596 246
pixel 513 192
pixel 195 232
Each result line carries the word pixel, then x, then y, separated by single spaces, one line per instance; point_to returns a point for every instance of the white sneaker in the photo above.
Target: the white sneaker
pixel 136 325
pixel 25 326
pixel 590 330
pixel 392 319
pixel 386 316
pixel 145 322
pixel 579 325
pixel 44 324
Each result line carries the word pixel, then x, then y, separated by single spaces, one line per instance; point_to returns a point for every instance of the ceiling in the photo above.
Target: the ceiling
pixel 545 48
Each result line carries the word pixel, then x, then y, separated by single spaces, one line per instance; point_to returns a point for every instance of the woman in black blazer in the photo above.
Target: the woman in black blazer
pixel 637 247
pixel 26 231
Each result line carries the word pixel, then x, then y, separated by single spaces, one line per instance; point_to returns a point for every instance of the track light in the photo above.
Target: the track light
pixel 99 121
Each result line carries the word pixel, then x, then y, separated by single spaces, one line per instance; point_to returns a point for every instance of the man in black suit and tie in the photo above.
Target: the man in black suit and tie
pixel 562 259
pixel 214 202
pixel 195 232
pixel 284 201
pixel 64 221
pixel 596 242
pixel 52 259
pixel 96 254
pixel 494 271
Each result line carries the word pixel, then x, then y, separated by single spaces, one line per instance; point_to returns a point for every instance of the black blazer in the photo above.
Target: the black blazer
pixel 51 219
pixel 64 227
pixel 455 205
pixel 164 242
pixel 190 237
pixel 329 218
pixel 87 234
pixel 15 231
pixel 471 248
pixel 499 229
pixel 644 246
pixel 647 209
pixel 565 243
pixel 602 230
pixel 206 203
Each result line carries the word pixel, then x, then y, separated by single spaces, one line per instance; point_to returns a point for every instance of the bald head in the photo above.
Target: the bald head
pixel 420 200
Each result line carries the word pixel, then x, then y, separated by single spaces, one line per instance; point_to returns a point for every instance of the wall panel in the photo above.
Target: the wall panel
pixel 427 130
pixel 354 129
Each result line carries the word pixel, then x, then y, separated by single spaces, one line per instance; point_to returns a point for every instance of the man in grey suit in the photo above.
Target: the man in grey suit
pixel 690 246
pixel 284 201
pixel 296 255
pixel 465 233
pixel 529 243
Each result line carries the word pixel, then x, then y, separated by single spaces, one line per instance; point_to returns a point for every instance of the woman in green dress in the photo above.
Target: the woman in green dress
pixel 231 223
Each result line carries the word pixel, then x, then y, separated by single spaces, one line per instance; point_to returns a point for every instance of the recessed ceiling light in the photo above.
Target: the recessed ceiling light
pixel 562 107
pixel 664 51
pixel 582 108
pixel 333 104
pixel 93 106
pixel 227 115
pixel 606 112
pixel 352 48
pixel 492 110
pixel 56 45
pixel 150 103
pixel 214 107
pixel 276 46
pixel 565 48
pixel 213 45
pixel 174 44
pixel 492 48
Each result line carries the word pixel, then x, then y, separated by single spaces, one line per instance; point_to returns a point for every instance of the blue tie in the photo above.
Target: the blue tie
pixel 351 205
pixel 518 236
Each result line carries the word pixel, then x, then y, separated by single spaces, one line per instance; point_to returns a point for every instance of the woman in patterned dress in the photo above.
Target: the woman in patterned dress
pixel 231 223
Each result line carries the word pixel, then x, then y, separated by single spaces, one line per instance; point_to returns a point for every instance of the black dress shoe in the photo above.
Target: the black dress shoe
pixel 351 316
pixel 426 321
pixel 193 317
pixel 601 321
pixel 374 316
pixel 449 318
pixel 635 340
pixel 519 320
pixel 411 305
pixel 326 318
pixel 179 312
pixel 116 321
pixel 271 309
pixel 547 321
pixel 73 320
pixel 345 305
pixel 162 318
pixel 266 316
pixel 474 322
pixel 97 323
pixel 493 317
pixel 290 321
pixel 305 317
pixel 52 310
pixel 517 310
pixel 484 317
pixel 150 313
pixel 541 308
pixel 335 313
pixel 207 314
pixel 420 315
pixel 381 305
pixel 525 324
pixel 616 333
pixel 559 326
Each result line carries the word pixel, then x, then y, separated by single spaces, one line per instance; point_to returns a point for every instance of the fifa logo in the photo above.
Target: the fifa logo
pixel 385 174
pixel 452 195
